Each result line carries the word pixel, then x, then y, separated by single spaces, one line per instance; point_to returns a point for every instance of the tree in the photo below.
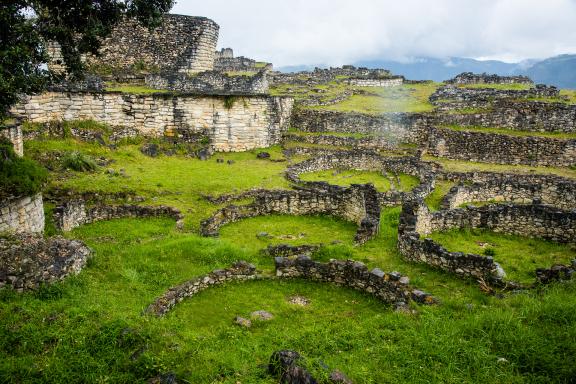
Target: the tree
pixel 77 25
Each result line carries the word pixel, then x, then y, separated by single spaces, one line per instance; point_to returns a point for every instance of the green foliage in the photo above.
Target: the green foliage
pixel 78 26
pixel 19 176
pixel 78 161
pixel 229 101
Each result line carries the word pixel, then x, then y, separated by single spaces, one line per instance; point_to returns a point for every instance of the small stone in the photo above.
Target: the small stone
pixel 203 154
pixel 502 360
pixel 262 235
pixel 151 149
pixel 230 162
pixel 261 315
pixel 337 377
pixel 220 161
pixel 263 155
pixel 243 322
pixel 299 300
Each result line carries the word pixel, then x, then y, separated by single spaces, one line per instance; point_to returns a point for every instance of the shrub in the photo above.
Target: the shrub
pixel 19 176
pixel 490 252
pixel 77 161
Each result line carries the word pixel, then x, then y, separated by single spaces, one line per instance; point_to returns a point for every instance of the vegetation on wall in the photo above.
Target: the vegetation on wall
pixel 18 176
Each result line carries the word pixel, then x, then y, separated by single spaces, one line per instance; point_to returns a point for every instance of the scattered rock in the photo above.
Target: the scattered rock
pixel 243 322
pixel 281 360
pixel 297 375
pixel 164 378
pixel 204 154
pixel 299 300
pixel 261 315
pixel 219 161
pixel 338 377
pixel 263 235
pixel 150 149
pixel 263 155
pixel 230 162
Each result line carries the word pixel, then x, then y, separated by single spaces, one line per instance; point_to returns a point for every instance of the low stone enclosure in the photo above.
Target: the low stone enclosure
pixel 29 261
pixel 232 123
pixel 391 288
pixel 500 148
pixel 370 161
pixel 367 142
pixel 483 78
pixel 533 220
pixel 22 214
pixel 358 204
pixel 482 96
pixel 488 186
pixel 211 83
pixel 76 212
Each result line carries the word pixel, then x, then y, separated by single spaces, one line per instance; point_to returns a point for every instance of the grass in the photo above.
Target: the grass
pixel 346 177
pixel 407 98
pixel 294 131
pixel 518 256
pixel 570 93
pixel 468 166
pixel 511 132
pixel 135 89
pixel 90 328
pixel 441 188
pixel 177 181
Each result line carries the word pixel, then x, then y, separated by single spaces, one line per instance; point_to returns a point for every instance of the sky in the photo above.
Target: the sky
pixel 336 32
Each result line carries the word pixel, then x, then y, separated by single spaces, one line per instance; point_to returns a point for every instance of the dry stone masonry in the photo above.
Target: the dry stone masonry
pixel 488 186
pixel 240 271
pixel 22 214
pixel 533 220
pixel 14 134
pixel 179 44
pixel 232 123
pixel 75 213
pixel 28 261
pixel 388 287
pixel 358 204
pixel 472 78
pixel 370 161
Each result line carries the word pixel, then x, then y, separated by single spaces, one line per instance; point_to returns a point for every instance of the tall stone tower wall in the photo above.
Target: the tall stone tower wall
pixel 180 44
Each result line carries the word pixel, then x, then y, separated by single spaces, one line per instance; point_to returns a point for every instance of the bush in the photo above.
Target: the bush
pixel 77 161
pixel 19 176
pixel 490 252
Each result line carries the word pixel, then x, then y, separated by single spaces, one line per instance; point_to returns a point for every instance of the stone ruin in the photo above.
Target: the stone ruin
pixel 225 61
pixel 484 78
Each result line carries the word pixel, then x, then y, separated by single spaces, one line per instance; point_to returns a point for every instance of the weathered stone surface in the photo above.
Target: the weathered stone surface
pixel 483 78
pixel 238 272
pixel 180 44
pixel 388 287
pixel 517 188
pixel 242 322
pixel 22 214
pixel 261 315
pixel 14 134
pixel 28 261
pixel 238 125
pixel 76 212
pixel 358 204
pixel 524 220
pixel 365 160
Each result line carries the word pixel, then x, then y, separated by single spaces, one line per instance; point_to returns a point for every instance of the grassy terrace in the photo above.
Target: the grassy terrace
pixel 347 177
pixel 517 255
pixel 90 328
pixel 406 98
pixel 468 166
pixel 134 89
pixel 511 132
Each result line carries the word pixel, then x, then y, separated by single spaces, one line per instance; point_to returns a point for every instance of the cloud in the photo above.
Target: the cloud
pixel 335 32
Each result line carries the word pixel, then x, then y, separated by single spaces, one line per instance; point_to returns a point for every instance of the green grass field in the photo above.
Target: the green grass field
pixel 90 328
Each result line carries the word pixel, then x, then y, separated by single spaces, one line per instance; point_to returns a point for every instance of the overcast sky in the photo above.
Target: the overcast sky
pixel 335 32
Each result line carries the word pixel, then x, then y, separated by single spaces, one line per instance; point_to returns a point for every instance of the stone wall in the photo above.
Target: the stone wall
pixel 358 204
pixel 325 75
pixel 472 78
pixel 534 220
pixel 179 44
pixel 232 123
pixel 370 161
pixel 389 287
pixel 390 82
pixel 522 116
pixel 367 142
pixel 488 186
pixel 75 213
pixel 224 53
pixel 499 148
pixel 240 64
pixel 22 215
pixel 240 271
pixel 472 96
pixel 30 261
pixel 401 127
pixel 211 83
pixel 14 134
